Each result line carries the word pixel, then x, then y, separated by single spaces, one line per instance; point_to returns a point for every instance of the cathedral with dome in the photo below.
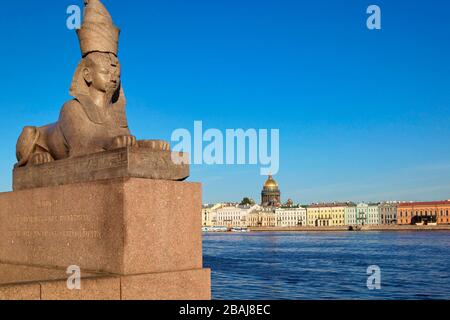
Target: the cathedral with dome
pixel 271 195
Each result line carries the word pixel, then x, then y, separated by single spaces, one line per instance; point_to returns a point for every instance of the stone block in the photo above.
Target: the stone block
pixel 100 288
pixel 184 285
pixel 19 282
pixel 16 274
pixel 122 226
pixel 132 162
pixel 20 292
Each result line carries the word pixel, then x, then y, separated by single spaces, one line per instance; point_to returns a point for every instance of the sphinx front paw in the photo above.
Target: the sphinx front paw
pixel 40 158
pixel 123 142
pixel 157 145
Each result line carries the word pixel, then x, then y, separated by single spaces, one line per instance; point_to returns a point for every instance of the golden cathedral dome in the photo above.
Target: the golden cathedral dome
pixel 270 183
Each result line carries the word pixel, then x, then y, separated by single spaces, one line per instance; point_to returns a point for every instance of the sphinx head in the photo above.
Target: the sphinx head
pixel 99 69
pixel 101 72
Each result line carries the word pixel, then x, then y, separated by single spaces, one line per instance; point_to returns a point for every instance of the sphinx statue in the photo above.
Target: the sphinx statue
pixel 95 120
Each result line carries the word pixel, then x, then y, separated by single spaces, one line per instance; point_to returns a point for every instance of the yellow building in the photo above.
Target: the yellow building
pixel 326 215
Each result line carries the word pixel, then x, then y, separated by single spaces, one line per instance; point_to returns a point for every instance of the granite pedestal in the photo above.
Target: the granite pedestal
pixel 135 237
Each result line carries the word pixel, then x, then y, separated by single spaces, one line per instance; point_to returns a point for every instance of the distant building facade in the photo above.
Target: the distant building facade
pixel 363 214
pixel 271 213
pixel 373 214
pixel 291 216
pixel 388 213
pixel 326 215
pixel 209 214
pixel 233 216
pixel 261 218
pixel 424 212
pixel 350 215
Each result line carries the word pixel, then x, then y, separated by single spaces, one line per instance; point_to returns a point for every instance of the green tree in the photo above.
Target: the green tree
pixel 247 202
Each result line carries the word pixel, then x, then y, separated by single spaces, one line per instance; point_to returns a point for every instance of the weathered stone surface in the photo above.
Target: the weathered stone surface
pixel 100 288
pixel 21 274
pixel 32 283
pixel 20 282
pixel 131 162
pixel 121 226
pixel 20 292
pixel 185 285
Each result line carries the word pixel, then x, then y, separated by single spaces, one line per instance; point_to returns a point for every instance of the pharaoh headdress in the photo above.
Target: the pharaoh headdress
pixel 97 34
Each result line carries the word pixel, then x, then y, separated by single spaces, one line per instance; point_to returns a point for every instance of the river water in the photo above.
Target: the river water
pixel 306 266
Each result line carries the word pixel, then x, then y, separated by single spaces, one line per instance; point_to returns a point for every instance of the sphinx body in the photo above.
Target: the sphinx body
pixel 83 128
pixel 94 121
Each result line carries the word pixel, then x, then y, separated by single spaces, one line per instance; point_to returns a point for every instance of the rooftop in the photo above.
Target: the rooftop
pixel 333 204
pixel 425 203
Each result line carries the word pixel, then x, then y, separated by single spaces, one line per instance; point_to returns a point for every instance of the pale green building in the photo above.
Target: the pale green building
pixel 363 214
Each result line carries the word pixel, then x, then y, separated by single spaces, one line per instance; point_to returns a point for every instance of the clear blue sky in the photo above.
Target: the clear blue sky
pixel 364 115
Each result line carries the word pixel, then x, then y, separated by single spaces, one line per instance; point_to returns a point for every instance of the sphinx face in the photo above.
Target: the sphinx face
pixel 103 72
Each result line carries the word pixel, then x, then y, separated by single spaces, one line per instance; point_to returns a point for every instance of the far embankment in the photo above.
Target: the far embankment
pixel 346 229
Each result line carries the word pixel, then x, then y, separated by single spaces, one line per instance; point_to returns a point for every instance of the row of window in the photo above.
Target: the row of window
pixel 423 213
